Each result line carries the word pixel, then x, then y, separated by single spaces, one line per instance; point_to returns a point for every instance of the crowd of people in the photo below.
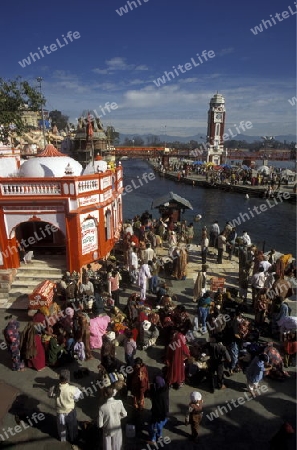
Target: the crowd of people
pixel 234 175
pixel 81 320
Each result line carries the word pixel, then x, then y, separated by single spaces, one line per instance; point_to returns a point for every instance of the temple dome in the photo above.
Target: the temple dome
pixel 50 163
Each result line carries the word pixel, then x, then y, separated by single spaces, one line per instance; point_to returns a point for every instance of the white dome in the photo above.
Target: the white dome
pixel 52 166
pixel 96 167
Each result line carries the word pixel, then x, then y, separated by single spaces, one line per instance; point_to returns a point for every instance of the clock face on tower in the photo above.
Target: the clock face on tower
pixel 218 117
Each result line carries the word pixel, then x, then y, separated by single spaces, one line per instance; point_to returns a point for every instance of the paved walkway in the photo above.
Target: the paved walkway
pixel 244 427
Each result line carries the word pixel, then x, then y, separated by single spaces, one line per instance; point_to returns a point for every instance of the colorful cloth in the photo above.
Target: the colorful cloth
pixel 177 352
pixel 98 327
pixel 12 338
pixel 139 385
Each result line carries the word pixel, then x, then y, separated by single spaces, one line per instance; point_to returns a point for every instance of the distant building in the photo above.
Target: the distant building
pixel 90 139
pixel 215 130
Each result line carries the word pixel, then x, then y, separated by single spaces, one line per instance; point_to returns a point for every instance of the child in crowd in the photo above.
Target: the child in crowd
pixel 130 348
pixel 194 415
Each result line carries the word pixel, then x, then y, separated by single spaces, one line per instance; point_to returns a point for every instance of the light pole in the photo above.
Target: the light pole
pixel 39 80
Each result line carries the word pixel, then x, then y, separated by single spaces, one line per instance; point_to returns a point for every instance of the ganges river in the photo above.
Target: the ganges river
pixel 273 228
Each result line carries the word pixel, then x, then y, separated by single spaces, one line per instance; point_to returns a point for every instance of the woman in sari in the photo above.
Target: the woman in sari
pixel 12 338
pixel 139 383
pixel 177 352
pixel 31 347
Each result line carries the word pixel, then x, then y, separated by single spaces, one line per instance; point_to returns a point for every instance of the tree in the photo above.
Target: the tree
pixel 138 141
pixel 59 119
pixel 128 142
pixel 112 135
pixel 153 140
pixel 16 96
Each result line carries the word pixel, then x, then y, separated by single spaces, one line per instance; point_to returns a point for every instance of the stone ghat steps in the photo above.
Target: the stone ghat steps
pixel 30 275
pixel 38 272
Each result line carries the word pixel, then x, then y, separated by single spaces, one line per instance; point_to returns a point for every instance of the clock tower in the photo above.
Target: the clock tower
pixel 215 130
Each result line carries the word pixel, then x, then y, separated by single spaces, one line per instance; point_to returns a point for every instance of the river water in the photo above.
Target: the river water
pixel 276 226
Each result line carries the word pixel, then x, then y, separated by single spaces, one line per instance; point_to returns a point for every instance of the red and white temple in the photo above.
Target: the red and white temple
pixel 51 202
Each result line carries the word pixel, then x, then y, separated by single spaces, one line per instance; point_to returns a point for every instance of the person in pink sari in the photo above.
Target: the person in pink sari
pixel 98 327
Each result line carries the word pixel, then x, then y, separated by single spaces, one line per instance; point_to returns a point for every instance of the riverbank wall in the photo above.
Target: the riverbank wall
pixel 251 191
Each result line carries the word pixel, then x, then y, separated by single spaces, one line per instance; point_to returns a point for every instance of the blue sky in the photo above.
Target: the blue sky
pixel 117 58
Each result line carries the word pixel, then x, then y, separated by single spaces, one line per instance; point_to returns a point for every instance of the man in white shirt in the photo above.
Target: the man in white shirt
pixel 258 283
pixel 86 288
pixel 148 254
pixel 66 395
pixel 133 265
pixel 144 275
pixel 265 264
pixel 109 418
pixel 246 239
pixel 214 233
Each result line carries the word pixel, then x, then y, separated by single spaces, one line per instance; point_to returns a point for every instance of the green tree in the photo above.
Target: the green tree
pixel 138 141
pixel 16 96
pixel 59 119
pixel 128 142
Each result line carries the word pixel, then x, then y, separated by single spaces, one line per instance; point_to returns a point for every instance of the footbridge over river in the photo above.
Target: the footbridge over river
pixel 233 154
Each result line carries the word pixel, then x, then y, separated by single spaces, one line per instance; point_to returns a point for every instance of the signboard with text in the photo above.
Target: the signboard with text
pixel 89 237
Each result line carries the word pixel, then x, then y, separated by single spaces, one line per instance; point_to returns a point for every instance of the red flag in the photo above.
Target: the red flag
pixel 90 130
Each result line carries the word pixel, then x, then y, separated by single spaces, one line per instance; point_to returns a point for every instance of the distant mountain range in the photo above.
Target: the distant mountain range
pixel 184 139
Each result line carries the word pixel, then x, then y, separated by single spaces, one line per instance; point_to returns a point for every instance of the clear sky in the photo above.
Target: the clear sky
pixel 116 59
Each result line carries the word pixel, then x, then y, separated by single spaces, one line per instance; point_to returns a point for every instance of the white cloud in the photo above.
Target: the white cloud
pixel 226 51
pixel 137 81
pixel 180 104
pixel 118 63
pixel 100 71
pixel 189 80
pixel 141 67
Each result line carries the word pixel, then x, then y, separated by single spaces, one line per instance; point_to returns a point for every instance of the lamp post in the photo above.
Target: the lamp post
pixel 39 80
